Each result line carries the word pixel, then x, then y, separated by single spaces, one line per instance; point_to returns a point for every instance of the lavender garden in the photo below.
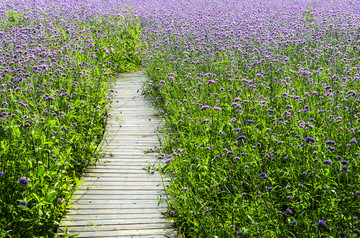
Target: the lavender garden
pixel 260 101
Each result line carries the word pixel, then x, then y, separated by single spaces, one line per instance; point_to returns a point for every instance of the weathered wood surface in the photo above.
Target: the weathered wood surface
pixel 119 198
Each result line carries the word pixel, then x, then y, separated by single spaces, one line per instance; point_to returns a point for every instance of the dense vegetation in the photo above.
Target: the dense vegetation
pixel 56 59
pixel 260 101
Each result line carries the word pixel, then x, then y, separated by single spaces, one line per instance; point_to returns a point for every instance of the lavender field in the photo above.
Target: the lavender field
pixel 56 62
pixel 260 101
pixel 262 98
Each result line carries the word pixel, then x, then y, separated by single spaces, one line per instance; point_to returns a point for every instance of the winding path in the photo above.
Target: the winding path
pixel 123 201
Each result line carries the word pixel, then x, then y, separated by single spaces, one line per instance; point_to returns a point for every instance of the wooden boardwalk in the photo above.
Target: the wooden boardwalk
pixel 123 201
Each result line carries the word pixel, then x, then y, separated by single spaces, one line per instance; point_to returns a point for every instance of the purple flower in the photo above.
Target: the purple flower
pixel 344 168
pixel 240 233
pixel 330 142
pixel 328 162
pixel 172 212
pixel 321 223
pixel 241 138
pixel 185 189
pixel 206 211
pixel 353 140
pixel 1 173
pixel 23 203
pixel 217 108
pixel 23 181
pixel 294 221
pixel 330 148
pixel 344 161
pixel 309 139
pixel 263 175
pixel 250 122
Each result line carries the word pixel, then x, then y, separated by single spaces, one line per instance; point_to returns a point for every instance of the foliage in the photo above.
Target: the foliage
pixel 54 96
pixel 261 104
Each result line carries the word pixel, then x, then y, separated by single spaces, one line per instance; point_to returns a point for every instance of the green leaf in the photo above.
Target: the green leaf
pixel 51 196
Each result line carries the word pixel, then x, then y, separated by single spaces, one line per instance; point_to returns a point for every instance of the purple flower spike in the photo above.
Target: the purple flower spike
pixel 321 223
pixel 23 181
pixel 263 175
pixel 309 139
pixel 250 122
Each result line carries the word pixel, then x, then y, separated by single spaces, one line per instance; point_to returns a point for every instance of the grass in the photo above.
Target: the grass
pixel 54 105
pixel 260 102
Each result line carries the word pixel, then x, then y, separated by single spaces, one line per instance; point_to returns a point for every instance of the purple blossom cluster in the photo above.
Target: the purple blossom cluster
pixel 270 85
pixel 56 61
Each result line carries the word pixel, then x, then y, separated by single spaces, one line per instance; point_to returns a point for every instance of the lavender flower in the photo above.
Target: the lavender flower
pixel 23 181
pixel 206 211
pixel 321 223
pixel 309 139
pixel 263 175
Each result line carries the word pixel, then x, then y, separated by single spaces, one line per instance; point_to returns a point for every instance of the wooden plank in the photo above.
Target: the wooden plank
pixel 98 185
pixel 117 202
pixel 144 175
pixel 91 227
pixel 122 179
pixel 138 221
pixel 113 217
pixel 104 193
pixel 90 206
pixel 120 197
pixel 130 232
pixel 115 211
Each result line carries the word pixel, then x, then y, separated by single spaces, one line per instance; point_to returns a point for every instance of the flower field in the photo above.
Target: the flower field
pixel 261 104
pixel 260 101
pixel 56 59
